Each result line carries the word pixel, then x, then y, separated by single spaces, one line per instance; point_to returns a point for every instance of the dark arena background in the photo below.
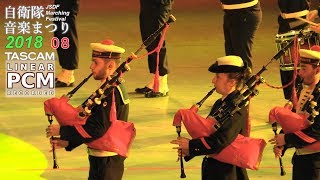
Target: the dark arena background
pixel 194 41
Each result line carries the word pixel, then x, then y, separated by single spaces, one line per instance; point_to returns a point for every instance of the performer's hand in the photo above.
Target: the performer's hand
pixel 278 140
pixel 315 28
pixel 312 15
pixel 53 130
pixel 58 143
pixel 277 150
pixel 183 145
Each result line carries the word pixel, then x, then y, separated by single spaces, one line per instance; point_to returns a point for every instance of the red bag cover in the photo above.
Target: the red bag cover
pixel 118 138
pixel 288 120
pixel 291 122
pixel 243 152
pixel 65 114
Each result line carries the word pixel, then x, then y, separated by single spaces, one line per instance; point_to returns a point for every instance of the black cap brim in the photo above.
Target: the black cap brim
pixel 214 68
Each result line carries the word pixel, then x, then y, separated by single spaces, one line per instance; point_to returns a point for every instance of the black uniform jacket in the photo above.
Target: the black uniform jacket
pixel 225 135
pixel 313 131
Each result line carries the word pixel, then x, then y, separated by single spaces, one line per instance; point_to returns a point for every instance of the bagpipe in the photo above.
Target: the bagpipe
pixel 239 151
pixel 120 134
pixel 292 122
pixel 244 151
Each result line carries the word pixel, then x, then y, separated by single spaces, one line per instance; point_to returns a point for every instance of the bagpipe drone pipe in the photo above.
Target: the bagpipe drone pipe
pixel 120 134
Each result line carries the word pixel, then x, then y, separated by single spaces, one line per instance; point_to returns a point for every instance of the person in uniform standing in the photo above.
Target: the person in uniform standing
pixel 230 75
pixel 103 164
pixel 306 162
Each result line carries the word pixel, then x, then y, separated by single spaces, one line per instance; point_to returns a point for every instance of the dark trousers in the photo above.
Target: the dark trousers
pixel 239 28
pixel 306 167
pixel 106 168
pixel 68 58
pixel 213 169
pixel 153 15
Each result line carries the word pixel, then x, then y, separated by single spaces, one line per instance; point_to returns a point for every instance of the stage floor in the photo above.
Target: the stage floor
pixel 194 41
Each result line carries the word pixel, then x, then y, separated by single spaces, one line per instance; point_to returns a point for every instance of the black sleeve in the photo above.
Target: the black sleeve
pixel 313 131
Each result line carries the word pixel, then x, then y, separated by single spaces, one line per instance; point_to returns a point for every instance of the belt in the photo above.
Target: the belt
pixel 294 15
pixel 100 153
pixel 239 6
pixel 296 24
pixel 304 151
